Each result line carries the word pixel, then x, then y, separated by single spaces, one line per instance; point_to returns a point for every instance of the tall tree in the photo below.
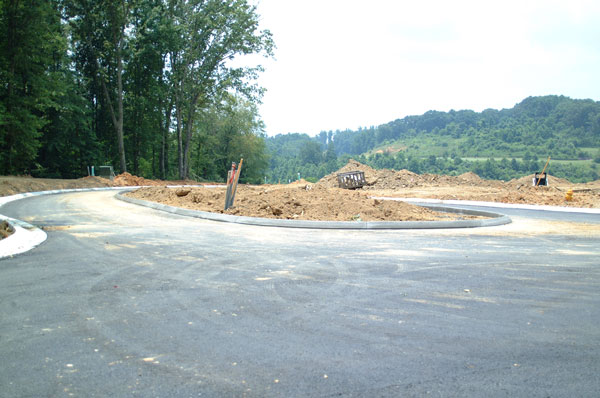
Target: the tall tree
pixel 68 142
pixel 99 32
pixel 210 34
pixel 144 82
pixel 30 36
pixel 228 131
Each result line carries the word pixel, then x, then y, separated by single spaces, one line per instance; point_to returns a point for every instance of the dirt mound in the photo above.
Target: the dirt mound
pixel 10 185
pixel 127 180
pixel 298 183
pixel 392 179
pixel 330 180
pixel 295 203
pixel 375 179
pixel 470 177
pixel 591 185
pixel 468 186
pixel 528 181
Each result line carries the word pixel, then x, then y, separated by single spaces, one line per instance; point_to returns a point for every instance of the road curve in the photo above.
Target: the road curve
pixel 126 301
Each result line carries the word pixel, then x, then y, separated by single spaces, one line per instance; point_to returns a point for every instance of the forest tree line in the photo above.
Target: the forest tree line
pixel 148 86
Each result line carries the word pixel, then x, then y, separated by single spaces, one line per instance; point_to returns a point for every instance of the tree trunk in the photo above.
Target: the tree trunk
pixel 164 149
pixel 116 119
pixel 163 154
pixel 188 137
pixel 186 150
pixel 179 138
pixel 120 108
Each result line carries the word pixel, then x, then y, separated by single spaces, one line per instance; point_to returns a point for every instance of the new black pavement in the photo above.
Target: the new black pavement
pixel 125 301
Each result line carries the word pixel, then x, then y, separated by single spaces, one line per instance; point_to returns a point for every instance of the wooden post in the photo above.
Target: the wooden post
pixel 230 178
pixel 235 183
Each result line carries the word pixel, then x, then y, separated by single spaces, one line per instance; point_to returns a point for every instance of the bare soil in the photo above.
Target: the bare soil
pixel 301 201
pixel 470 186
pixel 325 201
pixel 5 229
pixel 11 185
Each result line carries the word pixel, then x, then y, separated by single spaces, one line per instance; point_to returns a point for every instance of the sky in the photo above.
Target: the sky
pixel 345 64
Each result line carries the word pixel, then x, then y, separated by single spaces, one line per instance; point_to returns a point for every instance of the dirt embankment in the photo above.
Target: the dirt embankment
pixel 128 180
pixel 325 201
pixel 10 185
pixel 298 202
pixel 470 186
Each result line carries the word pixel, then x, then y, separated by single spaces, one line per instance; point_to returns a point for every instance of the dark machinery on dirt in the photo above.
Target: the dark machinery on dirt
pixel 540 180
pixel 351 180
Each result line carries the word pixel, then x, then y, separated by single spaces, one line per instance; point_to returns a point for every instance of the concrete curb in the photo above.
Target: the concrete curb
pixel 493 220
pixel 562 209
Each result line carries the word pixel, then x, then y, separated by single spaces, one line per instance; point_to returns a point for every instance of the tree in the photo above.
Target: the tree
pixel 227 132
pixel 30 38
pixel 148 103
pixel 100 40
pixel 322 138
pixel 68 142
pixel 310 153
pixel 210 34
pixel 330 153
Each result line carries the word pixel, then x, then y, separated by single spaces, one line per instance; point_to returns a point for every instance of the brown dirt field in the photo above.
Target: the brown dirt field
pixel 10 185
pixel 325 201
pixel 5 229
pixel 469 186
pixel 128 180
pixel 296 202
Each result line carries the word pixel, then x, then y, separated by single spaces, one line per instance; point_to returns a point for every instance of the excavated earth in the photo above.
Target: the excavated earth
pixel 299 202
pixel 5 229
pixel 325 201
pixel 470 186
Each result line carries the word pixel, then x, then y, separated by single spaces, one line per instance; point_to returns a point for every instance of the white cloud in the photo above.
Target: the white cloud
pixel 345 64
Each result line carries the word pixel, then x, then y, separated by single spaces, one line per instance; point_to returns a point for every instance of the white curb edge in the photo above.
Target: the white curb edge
pixel 499 205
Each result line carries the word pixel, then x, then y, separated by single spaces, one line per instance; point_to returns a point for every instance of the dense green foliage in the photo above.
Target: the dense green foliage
pixel 494 144
pixel 149 86
pixel 30 46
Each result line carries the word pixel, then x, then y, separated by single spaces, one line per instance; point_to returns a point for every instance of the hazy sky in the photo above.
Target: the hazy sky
pixel 347 64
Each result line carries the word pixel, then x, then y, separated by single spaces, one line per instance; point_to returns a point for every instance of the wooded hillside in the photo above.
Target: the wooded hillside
pixel 495 144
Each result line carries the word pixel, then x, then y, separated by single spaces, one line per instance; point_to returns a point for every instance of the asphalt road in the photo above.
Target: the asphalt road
pixel 124 301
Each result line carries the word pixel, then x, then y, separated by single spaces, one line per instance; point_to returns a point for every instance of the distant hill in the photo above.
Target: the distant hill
pixel 497 144
pixel 554 126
